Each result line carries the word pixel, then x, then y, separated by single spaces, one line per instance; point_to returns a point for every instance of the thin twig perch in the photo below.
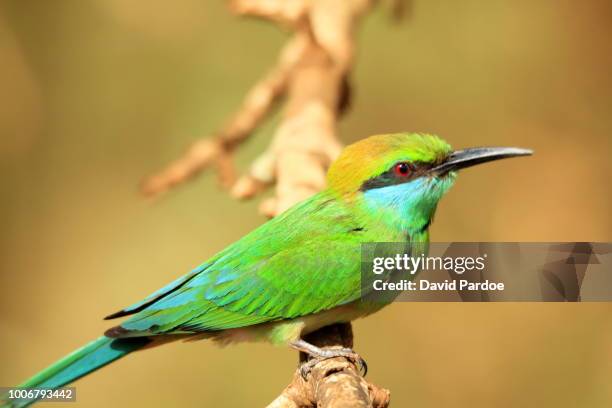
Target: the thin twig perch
pixel 333 383
pixel 311 74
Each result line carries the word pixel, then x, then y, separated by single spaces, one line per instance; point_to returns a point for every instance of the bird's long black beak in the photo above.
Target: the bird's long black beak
pixel 461 159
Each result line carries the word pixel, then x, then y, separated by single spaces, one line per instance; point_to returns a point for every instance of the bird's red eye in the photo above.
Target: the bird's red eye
pixel 402 169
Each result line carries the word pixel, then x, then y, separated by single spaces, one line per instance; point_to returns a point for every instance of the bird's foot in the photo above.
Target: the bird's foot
pixel 318 354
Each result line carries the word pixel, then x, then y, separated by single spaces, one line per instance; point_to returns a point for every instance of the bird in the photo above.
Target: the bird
pixel 299 271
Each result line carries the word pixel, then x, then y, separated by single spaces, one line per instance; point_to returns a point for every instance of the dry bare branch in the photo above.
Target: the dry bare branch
pixel 332 383
pixel 312 73
pixel 217 150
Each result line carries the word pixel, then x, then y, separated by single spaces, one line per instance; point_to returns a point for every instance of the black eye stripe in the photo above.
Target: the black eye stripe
pixel 390 178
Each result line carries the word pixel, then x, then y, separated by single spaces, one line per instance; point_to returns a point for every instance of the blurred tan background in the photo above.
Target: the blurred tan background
pixel 96 94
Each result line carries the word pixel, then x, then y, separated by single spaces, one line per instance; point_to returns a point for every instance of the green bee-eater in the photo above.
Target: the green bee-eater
pixel 301 270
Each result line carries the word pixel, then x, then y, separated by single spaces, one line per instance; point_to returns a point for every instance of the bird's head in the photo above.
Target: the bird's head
pixel 402 176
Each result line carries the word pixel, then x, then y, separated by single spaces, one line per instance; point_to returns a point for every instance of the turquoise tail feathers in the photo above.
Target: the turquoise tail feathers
pixel 79 363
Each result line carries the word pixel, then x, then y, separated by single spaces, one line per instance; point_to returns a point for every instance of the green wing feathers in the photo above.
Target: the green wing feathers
pixel 304 261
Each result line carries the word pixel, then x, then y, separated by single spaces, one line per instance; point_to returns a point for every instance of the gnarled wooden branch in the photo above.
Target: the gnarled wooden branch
pixel 333 383
pixel 311 73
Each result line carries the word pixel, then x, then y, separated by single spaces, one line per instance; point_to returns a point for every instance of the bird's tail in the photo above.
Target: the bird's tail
pixel 77 364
